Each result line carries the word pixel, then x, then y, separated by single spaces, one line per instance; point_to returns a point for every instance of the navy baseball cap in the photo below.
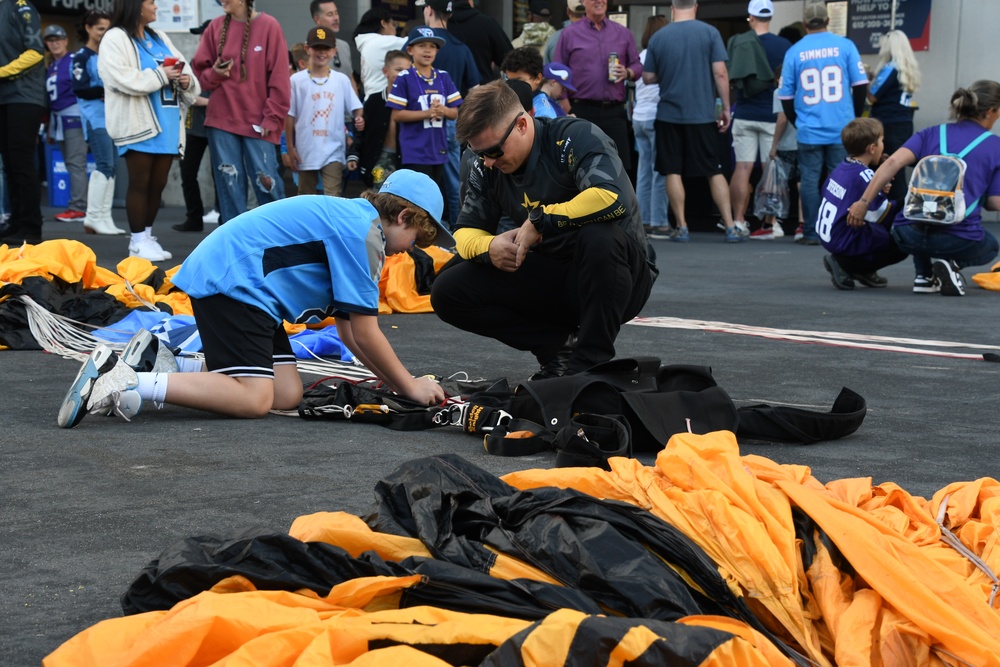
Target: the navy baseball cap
pixel 423 34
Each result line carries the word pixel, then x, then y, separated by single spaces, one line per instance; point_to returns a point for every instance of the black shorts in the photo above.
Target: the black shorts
pixel 240 340
pixel 688 150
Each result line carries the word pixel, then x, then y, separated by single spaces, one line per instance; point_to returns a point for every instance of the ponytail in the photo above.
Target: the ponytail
pixel 975 101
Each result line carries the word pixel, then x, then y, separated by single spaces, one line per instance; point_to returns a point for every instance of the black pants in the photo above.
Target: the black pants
pixel 864 264
pixel 599 282
pixel 613 121
pixel 18 138
pixel 190 166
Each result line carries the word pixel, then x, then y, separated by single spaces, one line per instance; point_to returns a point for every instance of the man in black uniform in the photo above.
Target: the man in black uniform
pixel 578 266
pixel 22 104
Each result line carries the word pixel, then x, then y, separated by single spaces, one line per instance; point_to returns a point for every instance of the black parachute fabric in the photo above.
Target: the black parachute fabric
pixel 274 561
pixel 628 560
pixel 611 558
pixel 57 296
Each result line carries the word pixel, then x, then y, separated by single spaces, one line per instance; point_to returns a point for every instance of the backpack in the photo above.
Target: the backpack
pixel 935 194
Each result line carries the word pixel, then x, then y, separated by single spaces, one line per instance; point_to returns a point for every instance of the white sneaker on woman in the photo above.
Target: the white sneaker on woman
pixel 147 249
pixel 166 254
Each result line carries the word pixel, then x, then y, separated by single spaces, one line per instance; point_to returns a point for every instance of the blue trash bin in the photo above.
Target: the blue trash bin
pixel 59 176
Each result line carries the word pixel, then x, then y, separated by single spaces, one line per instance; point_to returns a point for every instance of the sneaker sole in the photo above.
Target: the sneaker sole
pixel 73 408
pixel 927 290
pixel 868 283
pixel 945 276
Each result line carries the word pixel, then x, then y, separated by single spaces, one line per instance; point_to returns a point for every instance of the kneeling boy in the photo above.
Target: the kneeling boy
pixel 857 252
pixel 301 260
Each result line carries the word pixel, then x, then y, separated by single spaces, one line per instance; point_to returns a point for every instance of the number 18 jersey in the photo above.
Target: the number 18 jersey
pixel 818 73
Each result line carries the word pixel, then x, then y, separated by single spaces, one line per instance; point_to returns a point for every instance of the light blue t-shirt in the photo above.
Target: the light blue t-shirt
pixel 546 107
pixel 819 73
pixel 166 104
pixel 300 259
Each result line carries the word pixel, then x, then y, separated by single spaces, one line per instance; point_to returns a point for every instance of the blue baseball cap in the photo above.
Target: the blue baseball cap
pixel 423 34
pixel 420 190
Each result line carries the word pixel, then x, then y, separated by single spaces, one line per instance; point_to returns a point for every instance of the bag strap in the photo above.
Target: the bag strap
pixel 968 149
pixel 519 437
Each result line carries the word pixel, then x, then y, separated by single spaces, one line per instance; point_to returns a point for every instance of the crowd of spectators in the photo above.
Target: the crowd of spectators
pixel 686 106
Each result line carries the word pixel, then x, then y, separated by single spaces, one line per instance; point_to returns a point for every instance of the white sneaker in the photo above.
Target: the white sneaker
pixel 777 230
pixel 166 254
pixel 211 218
pixel 147 249
pixel 114 393
pixel 742 228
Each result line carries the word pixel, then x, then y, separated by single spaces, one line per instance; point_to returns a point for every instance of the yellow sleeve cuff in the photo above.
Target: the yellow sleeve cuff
pixel 21 64
pixel 471 242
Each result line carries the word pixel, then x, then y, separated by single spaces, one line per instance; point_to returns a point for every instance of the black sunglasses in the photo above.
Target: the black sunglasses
pixel 495 152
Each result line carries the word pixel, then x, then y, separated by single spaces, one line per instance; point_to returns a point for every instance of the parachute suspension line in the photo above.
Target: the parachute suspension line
pixel 952 540
pixel 58 334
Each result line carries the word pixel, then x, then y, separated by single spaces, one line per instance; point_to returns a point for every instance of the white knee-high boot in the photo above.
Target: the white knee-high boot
pixel 100 194
pixel 109 199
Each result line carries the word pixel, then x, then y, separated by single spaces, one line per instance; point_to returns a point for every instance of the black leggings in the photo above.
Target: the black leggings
pixel 147 176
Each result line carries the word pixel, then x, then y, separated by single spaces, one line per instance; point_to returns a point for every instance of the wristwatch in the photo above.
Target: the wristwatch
pixel 535 217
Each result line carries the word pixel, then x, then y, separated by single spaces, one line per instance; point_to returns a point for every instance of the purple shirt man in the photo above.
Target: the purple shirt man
pixel 585 48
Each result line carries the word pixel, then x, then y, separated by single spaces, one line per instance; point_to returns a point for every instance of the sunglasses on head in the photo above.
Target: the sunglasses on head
pixel 495 152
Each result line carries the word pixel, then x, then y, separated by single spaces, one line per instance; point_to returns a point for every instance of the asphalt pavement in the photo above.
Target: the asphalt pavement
pixel 81 511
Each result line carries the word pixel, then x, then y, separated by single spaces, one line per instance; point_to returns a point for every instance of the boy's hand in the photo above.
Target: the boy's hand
pixel 856 214
pixel 293 158
pixel 352 165
pixel 425 391
pixel 359 123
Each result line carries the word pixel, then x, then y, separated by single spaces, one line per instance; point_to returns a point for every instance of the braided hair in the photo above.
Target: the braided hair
pixel 246 39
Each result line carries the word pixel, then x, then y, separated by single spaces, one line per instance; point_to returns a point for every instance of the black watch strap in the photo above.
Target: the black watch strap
pixel 535 217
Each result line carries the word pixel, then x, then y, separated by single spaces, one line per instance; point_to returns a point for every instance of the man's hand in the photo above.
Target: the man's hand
pixel 620 72
pixel 725 119
pixel 526 237
pixel 425 391
pixel 503 251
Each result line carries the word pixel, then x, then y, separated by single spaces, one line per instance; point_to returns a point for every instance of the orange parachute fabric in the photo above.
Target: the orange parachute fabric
pixel 879 587
pixel 74 262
